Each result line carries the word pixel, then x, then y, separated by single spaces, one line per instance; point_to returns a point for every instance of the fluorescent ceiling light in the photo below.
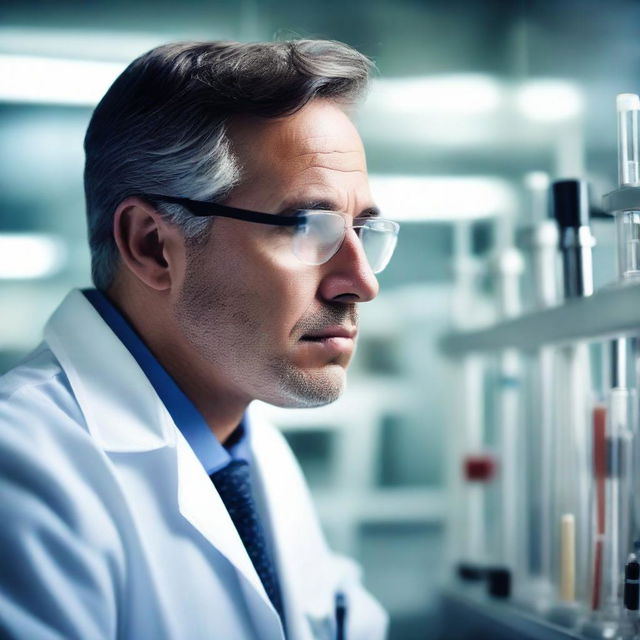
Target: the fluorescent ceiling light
pixel 26 255
pixel 456 94
pixel 78 44
pixel 54 80
pixel 442 198
pixel 549 100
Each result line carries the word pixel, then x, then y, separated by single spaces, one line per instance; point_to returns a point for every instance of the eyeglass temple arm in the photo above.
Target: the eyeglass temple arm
pixel 206 209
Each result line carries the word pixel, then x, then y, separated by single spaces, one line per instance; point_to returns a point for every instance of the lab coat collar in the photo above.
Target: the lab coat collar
pixel 100 369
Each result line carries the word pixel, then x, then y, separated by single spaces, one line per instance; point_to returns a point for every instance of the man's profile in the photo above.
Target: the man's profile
pixel 232 236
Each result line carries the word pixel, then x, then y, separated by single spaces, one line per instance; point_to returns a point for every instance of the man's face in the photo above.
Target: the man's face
pixel 250 310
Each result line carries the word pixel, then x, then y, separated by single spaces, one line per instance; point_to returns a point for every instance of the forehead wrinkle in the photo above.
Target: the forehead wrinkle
pixel 333 139
pixel 347 161
pixel 318 153
pixel 320 166
pixel 329 144
pixel 320 179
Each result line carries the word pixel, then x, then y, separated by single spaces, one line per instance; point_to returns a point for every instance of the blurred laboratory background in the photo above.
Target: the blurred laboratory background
pixel 476 109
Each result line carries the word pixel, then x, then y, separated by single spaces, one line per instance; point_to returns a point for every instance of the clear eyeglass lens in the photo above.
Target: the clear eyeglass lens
pixel 319 238
pixel 379 238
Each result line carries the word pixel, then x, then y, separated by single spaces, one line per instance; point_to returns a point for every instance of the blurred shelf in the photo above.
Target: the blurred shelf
pixel 392 505
pixel 363 403
pixel 611 311
pixel 471 615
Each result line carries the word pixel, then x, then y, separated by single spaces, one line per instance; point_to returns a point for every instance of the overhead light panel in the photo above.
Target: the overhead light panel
pixel 43 80
pixel 455 94
pixel 442 198
pixel 549 100
pixel 78 44
pixel 29 256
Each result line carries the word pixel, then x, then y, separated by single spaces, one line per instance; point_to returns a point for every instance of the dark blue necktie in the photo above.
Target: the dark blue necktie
pixel 233 483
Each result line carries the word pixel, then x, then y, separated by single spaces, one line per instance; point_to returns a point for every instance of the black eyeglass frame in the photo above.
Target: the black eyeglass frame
pixel 206 209
pixel 203 209
pixel 297 219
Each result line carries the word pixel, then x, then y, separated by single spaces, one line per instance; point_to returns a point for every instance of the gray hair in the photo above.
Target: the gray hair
pixel 162 125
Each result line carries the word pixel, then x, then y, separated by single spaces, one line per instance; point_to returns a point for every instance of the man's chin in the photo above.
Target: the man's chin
pixel 302 388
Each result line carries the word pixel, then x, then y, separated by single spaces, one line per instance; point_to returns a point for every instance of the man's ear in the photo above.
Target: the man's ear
pixel 145 242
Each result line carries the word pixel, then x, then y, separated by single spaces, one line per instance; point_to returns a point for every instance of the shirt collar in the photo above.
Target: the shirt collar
pixel 212 455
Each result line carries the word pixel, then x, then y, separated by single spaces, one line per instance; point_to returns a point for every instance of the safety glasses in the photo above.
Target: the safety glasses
pixel 316 235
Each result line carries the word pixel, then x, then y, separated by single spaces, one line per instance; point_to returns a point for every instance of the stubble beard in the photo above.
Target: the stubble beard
pixel 299 388
pixel 203 311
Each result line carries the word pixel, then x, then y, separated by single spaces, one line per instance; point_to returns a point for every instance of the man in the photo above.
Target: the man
pixel 232 236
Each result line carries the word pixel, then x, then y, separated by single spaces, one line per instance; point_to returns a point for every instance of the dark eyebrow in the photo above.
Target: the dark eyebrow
pixel 324 205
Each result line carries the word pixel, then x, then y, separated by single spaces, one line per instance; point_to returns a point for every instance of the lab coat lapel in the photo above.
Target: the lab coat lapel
pixel 202 506
pixel 304 562
pixel 125 416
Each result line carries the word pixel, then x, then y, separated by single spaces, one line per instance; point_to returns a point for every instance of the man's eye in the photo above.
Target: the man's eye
pixel 282 229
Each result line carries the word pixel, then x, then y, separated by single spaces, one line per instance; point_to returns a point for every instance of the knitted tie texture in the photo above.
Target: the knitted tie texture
pixel 233 483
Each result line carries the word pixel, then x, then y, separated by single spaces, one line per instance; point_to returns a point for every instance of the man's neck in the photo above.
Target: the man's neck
pixel 220 407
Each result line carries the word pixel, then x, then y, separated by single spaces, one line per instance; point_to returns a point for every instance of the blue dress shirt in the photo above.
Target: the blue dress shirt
pixel 213 455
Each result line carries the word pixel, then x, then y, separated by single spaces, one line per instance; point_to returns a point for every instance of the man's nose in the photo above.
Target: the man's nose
pixel 348 276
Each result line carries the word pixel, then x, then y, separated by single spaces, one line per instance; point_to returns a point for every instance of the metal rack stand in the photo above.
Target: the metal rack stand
pixel 611 312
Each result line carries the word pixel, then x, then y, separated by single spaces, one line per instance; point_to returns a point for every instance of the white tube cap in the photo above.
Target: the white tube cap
pixel 627 102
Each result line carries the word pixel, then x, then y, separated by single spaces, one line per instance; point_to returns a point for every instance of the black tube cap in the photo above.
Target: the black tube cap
pixel 631 586
pixel 470 572
pixel 570 203
pixel 499 582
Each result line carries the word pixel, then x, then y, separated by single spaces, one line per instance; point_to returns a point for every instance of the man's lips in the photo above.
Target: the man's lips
pixel 331 342
pixel 335 331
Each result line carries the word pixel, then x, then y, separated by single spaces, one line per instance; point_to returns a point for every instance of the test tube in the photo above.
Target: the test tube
pixel 618 498
pixel 572 446
pixel 470 526
pixel 628 220
pixel 508 266
pixel 623 401
pixel 621 413
pixel 479 470
pixel 628 105
pixel 543 236
pixel 600 475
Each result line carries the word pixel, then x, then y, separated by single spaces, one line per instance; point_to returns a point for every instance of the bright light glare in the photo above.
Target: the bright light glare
pixel 442 198
pixel 459 94
pixel 54 80
pixel 26 255
pixel 77 44
pixel 549 100
pixel 536 180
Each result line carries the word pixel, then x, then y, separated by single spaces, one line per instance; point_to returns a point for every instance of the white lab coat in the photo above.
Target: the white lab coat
pixel 111 528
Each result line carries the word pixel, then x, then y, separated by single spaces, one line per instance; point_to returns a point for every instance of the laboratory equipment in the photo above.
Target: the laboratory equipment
pixel 572 447
pixel 624 202
pixel 475 467
pixel 479 470
pixel 571 210
pixel 615 540
pixel 630 623
pixel 543 242
pixel 507 265
pixel 612 496
pixel 541 239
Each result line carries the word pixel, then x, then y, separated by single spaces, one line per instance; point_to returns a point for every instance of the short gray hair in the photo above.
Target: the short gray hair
pixel 162 125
